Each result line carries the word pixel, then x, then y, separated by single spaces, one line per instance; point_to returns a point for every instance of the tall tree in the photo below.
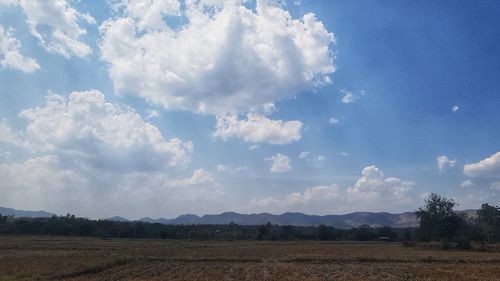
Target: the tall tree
pixel 438 219
pixel 488 219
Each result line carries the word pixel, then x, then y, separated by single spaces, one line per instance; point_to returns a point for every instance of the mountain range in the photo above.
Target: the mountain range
pixel 20 213
pixel 406 219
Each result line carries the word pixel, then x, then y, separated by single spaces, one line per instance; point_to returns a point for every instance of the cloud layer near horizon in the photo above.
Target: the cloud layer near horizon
pixel 373 190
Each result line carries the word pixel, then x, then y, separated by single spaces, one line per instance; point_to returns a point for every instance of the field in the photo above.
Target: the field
pixel 55 258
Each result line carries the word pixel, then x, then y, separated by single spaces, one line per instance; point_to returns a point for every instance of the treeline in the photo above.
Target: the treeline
pixel 70 225
pixel 438 222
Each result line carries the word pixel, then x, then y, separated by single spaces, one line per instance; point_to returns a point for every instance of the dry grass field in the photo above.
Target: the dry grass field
pixel 55 258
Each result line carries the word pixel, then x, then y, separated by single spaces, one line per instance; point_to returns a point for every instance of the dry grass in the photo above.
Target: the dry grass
pixel 49 258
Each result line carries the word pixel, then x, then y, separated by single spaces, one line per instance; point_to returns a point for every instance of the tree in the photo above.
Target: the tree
pixel 388 232
pixel 488 220
pixel 363 233
pixel 438 219
pixel 264 231
pixel 324 232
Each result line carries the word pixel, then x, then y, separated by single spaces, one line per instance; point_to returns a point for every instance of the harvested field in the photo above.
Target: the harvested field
pixel 55 258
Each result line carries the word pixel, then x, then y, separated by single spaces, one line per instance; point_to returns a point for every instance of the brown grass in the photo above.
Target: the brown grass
pixel 54 258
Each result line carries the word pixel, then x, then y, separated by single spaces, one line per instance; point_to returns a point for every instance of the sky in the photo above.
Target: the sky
pixel 161 108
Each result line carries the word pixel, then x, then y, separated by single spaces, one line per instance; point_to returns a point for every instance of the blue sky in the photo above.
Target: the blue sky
pixel 160 108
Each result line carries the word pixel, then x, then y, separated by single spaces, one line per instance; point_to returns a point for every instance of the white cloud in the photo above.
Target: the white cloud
pixel 307 156
pixel 39 183
pixel 228 169
pixel 148 14
pixel 344 154
pixel 7 135
pixel 455 108
pixel 46 183
pixel 373 191
pixel 304 154
pixel 151 113
pixel 226 58
pixel 333 120
pixel 373 185
pixel 258 128
pixel 269 108
pixel 467 184
pixel 444 163
pixel 222 168
pixel 103 160
pixel 317 193
pixel 348 96
pixel 489 167
pixel 8 2
pixel 100 133
pixel 314 196
pixel 280 163
pixel 253 147
pixel 200 176
pixel 10 55
pixel 55 24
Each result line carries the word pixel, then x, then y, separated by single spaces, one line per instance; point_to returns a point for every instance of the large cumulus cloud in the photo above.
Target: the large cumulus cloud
pixel 105 135
pixel 225 58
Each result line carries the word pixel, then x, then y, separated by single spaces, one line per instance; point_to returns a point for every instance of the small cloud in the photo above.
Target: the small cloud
pixel 350 97
pixel 221 168
pixel 304 154
pixel 269 108
pixel 455 108
pixel 253 147
pixel 333 120
pixel 308 157
pixel 200 176
pixel 280 163
pixel 257 128
pixel 444 163
pixel 151 113
pixel 467 184
pixel 345 154
pixel 232 170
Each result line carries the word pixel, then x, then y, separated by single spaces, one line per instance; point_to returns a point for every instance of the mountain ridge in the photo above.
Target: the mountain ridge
pixel 21 213
pixel 349 220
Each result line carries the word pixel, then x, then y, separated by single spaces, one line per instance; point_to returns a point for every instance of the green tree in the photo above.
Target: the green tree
pixel 363 233
pixel 388 232
pixel 438 219
pixel 324 232
pixel 264 231
pixel 488 220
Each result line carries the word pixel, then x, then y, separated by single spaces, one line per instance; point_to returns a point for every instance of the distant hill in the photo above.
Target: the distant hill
pixel 407 219
pixel 21 213
pixel 118 219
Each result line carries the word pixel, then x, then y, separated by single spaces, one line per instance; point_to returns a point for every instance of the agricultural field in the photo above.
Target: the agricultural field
pixel 56 258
